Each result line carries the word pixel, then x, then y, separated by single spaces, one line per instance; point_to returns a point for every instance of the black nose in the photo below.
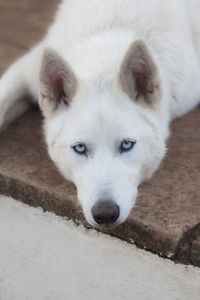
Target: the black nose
pixel 105 212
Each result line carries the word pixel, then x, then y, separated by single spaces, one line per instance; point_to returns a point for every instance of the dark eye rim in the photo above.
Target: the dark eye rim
pixel 78 152
pixel 122 150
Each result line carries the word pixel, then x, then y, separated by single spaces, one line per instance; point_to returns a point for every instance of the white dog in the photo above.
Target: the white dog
pixel 110 76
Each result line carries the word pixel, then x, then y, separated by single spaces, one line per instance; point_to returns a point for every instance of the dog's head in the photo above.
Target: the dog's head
pixel 104 139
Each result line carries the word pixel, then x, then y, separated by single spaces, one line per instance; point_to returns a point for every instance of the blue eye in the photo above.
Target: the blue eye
pixel 127 145
pixel 80 149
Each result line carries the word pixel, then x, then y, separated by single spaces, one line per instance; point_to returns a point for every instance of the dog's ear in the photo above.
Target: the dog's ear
pixel 57 83
pixel 139 74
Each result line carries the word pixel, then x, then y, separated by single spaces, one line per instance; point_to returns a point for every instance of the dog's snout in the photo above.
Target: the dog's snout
pixel 105 213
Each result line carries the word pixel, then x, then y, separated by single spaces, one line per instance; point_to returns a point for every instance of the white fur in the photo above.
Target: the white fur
pixel 93 37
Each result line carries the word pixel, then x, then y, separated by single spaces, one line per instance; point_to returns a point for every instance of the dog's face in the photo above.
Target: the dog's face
pixel 106 143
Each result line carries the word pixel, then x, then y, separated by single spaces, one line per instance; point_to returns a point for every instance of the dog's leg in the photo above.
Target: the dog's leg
pixel 19 81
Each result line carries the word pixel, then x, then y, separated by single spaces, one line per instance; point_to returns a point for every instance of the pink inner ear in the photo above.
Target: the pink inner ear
pixel 142 76
pixel 58 82
pixel 139 74
pixel 54 79
pixel 57 86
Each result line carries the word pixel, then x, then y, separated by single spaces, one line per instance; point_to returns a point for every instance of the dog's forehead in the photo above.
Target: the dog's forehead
pixel 101 120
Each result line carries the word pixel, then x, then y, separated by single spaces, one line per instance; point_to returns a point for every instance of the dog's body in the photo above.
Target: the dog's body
pixel 119 72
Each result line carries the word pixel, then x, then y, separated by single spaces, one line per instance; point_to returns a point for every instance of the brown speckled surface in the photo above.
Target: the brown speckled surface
pixel 166 218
